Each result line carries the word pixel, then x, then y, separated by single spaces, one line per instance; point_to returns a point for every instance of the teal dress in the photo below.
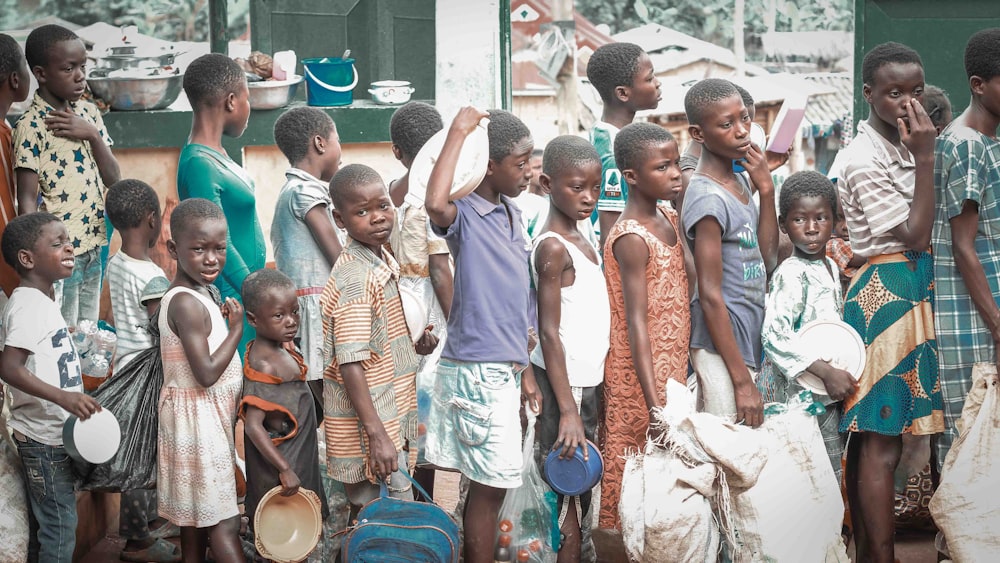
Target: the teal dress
pixel 206 173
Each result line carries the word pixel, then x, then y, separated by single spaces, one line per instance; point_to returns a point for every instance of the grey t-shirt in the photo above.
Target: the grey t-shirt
pixel 744 279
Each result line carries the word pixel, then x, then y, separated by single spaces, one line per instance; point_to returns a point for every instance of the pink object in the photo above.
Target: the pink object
pixel 786 125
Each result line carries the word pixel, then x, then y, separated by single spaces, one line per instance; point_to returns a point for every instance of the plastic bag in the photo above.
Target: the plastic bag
pixel 527 516
pixel 133 396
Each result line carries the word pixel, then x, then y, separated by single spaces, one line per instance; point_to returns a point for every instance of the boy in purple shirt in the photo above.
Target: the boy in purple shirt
pixel 474 425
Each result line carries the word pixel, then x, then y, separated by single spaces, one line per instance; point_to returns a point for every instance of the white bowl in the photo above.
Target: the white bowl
pixel 94 440
pixel 391 92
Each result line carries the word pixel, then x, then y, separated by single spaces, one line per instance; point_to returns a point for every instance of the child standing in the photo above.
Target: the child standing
pixel 623 75
pixel 734 247
pixel 41 366
pixel 14 82
pixel 277 408
pixel 305 240
pixel 886 188
pixel 805 288
pixel 63 151
pixel 474 425
pixel 202 382
pixel 424 261
pixel 650 317
pixel 134 211
pixel 574 320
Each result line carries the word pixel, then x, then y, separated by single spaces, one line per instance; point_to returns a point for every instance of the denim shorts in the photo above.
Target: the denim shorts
pixel 474 425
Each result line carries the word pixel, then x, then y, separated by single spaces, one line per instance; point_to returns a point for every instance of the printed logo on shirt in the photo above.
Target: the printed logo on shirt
pixel 69 367
pixel 612 183
pixel 747 236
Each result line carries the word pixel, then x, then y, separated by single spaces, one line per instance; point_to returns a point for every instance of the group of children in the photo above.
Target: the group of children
pixel 673 287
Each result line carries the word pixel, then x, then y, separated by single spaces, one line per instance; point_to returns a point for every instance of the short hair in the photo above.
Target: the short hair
pixel 192 211
pixel 982 54
pixel 412 125
pixel 613 65
pixel 128 202
pixel 807 183
pixel 705 93
pixel 886 53
pixel 938 105
pixel 348 179
pixel 504 132
pixel 210 78
pixel 294 131
pixel 634 139
pixel 567 152
pixel 745 96
pixel 10 55
pixel 257 284
pixel 41 40
pixel 21 234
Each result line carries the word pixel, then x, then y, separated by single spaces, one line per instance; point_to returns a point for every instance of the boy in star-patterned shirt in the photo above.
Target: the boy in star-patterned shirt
pixel 62 151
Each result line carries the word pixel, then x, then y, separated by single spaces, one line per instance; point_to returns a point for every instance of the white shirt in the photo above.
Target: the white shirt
pixel 127 279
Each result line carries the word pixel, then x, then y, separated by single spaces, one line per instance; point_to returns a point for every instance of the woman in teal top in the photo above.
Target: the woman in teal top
pixel 217 89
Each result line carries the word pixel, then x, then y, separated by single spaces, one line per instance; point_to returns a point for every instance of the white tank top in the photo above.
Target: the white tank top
pixel 585 321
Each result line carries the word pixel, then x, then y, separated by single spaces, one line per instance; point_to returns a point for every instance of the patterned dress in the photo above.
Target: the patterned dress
pixel 625 413
pixel 196 456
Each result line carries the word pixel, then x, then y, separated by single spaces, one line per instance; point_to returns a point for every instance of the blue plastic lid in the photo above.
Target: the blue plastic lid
pixel 573 476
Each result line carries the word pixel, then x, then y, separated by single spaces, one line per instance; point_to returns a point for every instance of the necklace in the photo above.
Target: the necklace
pixel 740 196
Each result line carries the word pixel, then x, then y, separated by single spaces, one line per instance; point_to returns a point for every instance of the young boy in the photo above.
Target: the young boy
pixel 623 75
pixel 63 151
pixel 41 366
pixel 886 188
pixel 134 211
pixel 574 319
pixel 277 407
pixel 534 202
pixel 14 82
pixel 805 288
pixel 370 394
pixel 734 247
pixel 474 425
pixel 305 239
pixel 966 252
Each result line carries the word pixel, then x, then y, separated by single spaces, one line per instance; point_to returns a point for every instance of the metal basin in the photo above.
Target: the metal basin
pixel 273 94
pixel 138 93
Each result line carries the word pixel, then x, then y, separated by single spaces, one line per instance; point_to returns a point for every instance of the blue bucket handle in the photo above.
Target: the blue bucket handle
pixel 384 490
pixel 329 87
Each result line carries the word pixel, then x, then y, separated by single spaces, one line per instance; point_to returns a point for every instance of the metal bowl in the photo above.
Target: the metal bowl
pixel 138 93
pixel 273 94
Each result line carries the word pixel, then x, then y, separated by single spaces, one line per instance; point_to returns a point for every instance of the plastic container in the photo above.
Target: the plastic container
pixel 330 82
pixel 574 476
pixel 470 170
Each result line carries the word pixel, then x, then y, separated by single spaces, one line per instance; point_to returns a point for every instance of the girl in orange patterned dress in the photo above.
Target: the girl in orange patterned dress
pixel 645 266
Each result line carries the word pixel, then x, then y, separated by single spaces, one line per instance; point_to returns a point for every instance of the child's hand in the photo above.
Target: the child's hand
pixel 383 459
pixel 757 167
pixel 289 482
pixel 776 160
pixel 467 120
pixel 427 343
pixel 749 405
pixel 571 436
pixel 839 383
pixel 233 312
pixel 917 132
pixel 79 405
pixel 65 123
pixel 531 396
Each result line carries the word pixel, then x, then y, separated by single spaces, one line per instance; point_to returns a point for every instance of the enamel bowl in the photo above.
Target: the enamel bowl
pixel 94 440
pixel 287 529
pixel 391 92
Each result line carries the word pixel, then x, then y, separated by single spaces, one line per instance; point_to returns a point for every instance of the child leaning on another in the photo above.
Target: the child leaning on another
pixel 305 239
pixel 14 83
pixel 134 211
pixel 474 424
pixel 805 288
pixel 734 245
pixel 202 381
pixel 63 151
pixel 646 269
pixel 40 364
pixel 278 411
pixel 574 320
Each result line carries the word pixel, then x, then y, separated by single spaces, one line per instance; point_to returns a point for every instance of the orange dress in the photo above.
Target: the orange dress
pixel 8 277
pixel 626 417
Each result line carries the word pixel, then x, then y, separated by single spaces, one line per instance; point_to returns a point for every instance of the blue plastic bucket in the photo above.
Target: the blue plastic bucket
pixel 329 82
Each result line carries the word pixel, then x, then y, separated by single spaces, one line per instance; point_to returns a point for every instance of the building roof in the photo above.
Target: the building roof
pixel 827 112
pixel 528 16
pixel 670 49
pixel 766 91
pixel 829 45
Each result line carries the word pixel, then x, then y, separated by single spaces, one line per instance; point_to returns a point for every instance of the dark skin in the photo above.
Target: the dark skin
pixel 508 176
pixel 276 323
pixel 49 260
pixel 322 161
pixel 898 115
pixel 725 136
pixel 61 81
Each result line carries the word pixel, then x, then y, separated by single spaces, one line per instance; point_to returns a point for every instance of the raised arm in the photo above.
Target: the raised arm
pixel 440 209
pixel 190 321
pixel 919 138
pixel 67 124
pixel 767 223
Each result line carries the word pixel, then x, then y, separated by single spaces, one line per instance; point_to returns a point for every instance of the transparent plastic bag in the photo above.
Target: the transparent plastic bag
pixel 528 532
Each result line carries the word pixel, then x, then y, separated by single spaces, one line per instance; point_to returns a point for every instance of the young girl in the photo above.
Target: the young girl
pixel 202 382
pixel 644 261
pixel 277 406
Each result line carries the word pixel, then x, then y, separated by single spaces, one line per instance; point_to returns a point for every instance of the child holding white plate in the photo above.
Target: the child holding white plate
pixel 805 288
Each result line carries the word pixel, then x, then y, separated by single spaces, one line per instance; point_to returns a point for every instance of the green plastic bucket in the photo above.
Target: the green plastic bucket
pixel 329 82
